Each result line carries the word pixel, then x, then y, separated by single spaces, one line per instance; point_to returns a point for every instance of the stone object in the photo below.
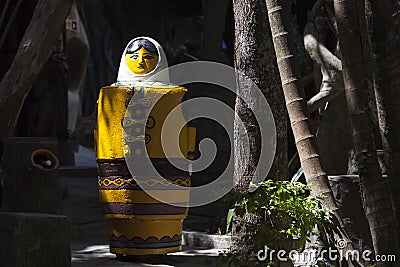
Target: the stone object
pixel 200 239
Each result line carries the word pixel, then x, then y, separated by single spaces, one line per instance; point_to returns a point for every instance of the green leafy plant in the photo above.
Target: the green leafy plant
pixel 284 212
pixel 229 218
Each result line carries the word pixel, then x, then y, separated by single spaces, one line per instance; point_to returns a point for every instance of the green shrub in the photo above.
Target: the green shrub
pixel 284 211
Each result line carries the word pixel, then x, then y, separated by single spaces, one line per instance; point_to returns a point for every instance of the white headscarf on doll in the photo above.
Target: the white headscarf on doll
pixel 126 77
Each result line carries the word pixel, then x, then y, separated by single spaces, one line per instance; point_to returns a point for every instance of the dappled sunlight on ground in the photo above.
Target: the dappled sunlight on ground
pixel 99 255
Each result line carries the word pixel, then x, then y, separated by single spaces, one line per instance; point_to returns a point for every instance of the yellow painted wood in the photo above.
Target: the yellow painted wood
pixel 136 196
pixel 112 108
pixel 163 104
pixel 144 251
pixel 110 111
pixel 109 145
pixel 149 217
pixel 144 228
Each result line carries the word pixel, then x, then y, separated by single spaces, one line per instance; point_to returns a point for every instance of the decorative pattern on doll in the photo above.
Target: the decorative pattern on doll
pixel 130 120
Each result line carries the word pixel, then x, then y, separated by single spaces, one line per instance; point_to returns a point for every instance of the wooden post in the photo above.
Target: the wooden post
pixel 33 239
pixel 31 178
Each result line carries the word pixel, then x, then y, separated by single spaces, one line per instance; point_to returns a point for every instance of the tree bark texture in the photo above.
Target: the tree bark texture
pixel 33 52
pixel 376 199
pixel 254 56
pixel 386 76
pixel 362 22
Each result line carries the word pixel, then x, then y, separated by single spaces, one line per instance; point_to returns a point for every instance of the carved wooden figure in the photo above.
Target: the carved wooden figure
pixel 130 118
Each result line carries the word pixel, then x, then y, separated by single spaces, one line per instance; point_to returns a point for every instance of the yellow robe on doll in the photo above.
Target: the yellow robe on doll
pixel 130 113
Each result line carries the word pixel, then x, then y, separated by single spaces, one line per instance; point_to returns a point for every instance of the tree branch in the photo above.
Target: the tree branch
pixel 33 52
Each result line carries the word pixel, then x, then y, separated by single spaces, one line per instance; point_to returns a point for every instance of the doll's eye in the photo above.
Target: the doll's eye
pixel 134 57
pixel 149 57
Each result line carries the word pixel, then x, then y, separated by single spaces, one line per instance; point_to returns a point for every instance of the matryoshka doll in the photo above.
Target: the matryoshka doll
pixel 130 118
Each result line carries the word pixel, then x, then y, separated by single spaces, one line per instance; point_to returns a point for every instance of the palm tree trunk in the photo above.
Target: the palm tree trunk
pixel 300 122
pixel 296 104
pixel 375 196
pixel 386 75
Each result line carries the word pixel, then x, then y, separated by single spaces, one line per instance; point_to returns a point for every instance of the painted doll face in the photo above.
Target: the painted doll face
pixel 141 61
